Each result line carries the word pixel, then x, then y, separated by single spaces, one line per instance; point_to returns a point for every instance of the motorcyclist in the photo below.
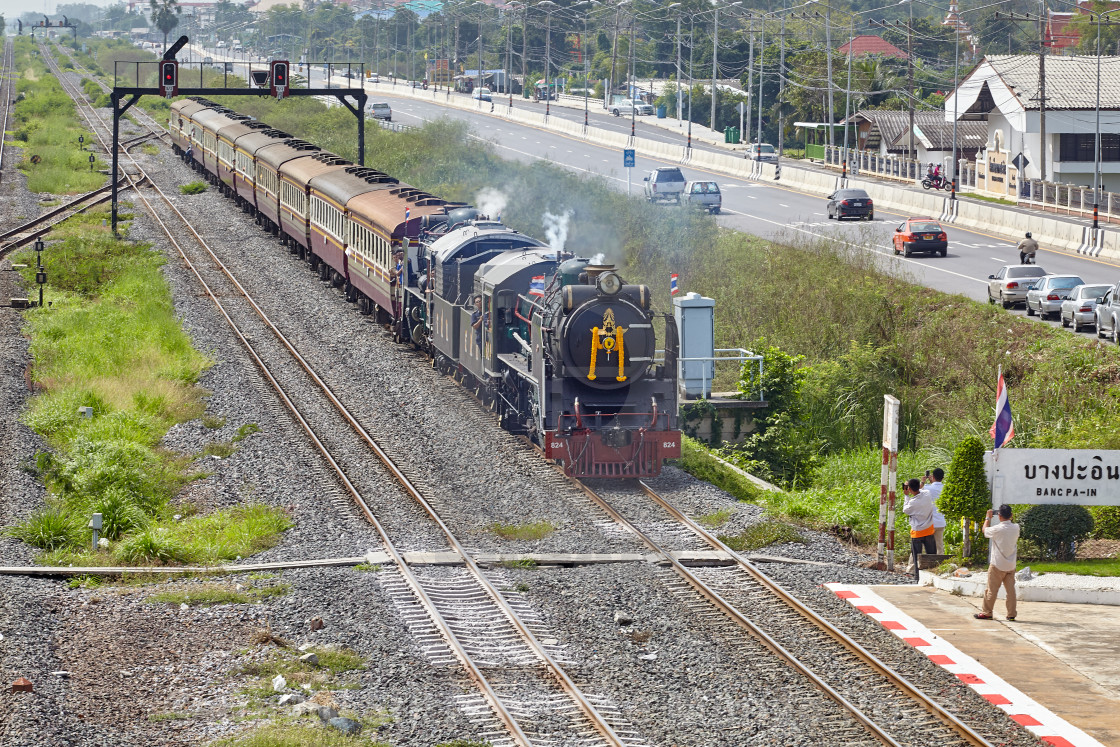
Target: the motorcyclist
pixel 1027 248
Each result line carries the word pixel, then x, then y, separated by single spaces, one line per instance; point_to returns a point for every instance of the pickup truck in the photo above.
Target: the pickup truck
pixel 665 183
pixel 703 195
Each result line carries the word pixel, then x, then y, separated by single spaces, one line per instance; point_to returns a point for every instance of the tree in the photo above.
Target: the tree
pixel 966 494
pixel 165 16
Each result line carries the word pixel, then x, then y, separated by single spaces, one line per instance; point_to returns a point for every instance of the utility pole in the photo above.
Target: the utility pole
pixel 1040 19
pixel 910 152
pixel 614 58
pixel 715 63
pixel 761 73
pixel 828 54
pixel 750 78
pixel 782 90
pixel 524 48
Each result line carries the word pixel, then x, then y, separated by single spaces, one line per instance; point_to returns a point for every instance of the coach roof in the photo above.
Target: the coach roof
pixel 342 186
pixel 279 153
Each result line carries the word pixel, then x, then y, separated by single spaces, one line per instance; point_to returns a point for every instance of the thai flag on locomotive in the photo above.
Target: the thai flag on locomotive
pixel 674 289
pixel 407 212
pixel 536 286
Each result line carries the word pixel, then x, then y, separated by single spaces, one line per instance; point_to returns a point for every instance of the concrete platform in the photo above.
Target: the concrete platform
pixel 1056 670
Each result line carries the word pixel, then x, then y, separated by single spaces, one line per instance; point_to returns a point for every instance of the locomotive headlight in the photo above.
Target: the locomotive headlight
pixel 609 283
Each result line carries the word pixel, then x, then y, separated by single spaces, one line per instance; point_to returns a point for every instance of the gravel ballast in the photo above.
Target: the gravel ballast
pixel 673 672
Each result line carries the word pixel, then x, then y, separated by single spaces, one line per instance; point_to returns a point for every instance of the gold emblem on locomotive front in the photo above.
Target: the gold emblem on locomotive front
pixel 608 338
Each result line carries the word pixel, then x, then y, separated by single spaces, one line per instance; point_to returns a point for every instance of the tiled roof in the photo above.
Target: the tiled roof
pixel 1071 81
pixel 934 133
pixel 871 44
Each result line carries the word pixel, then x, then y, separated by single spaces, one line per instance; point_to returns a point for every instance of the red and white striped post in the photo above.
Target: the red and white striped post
pixel 887 483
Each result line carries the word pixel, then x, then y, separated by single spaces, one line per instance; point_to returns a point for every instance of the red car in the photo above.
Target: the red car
pixel 920 235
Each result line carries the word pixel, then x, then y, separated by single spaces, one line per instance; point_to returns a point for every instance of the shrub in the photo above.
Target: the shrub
pixel 966 494
pixel 49 529
pixel 1057 528
pixel 119 514
pixel 1106 522
pixel 193 188
pixel 151 546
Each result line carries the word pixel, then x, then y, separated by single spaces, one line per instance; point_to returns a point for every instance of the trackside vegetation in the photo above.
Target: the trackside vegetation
pixel 110 342
pixel 46 128
pixel 837 331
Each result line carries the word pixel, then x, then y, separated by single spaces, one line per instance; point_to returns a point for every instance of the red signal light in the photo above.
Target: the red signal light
pixel 169 77
pixel 278 79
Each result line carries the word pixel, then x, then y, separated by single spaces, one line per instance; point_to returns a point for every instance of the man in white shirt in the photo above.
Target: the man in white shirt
pixel 1003 539
pixel 934 484
pixel 919 507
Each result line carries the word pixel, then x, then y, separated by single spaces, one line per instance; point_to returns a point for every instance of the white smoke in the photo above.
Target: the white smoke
pixel 556 229
pixel 599 259
pixel 491 202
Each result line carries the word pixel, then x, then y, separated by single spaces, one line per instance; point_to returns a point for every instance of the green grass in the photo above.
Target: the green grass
pixel 157 718
pixel 1086 567
pixel 296 735
pixel 533 530
pixel 715 519
pixel 699 462
pixel 367 568
pixel 193 188
pixel 213 422
pixel 524 564
pixel 45 124
pixel 207 595
pixel 758 536
pixel 326 675
pixel 984 198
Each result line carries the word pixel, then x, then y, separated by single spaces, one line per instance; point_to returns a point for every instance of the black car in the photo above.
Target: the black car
pixel 850 203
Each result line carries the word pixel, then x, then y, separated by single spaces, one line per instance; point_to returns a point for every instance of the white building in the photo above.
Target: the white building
pixel 1004 91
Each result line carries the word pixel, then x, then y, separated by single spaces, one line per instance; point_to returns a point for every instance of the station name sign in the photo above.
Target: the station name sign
pixel 1086 477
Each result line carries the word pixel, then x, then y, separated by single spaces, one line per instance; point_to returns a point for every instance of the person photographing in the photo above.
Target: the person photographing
pixel 1003 541
pixel 919 508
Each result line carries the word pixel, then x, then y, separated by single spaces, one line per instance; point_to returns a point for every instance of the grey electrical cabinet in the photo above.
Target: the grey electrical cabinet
pixel 695 315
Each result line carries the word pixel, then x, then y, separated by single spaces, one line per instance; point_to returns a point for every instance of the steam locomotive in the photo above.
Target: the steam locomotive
pixel 563 351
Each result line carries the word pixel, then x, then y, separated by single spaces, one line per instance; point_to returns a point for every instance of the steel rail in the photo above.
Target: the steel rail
pixel 739 618
pixel 411 579
pixel 7 85
pixel 820 622
pixel 571 690
pixel 23 234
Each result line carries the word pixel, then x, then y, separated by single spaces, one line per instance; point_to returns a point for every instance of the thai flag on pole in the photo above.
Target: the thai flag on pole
pixel 536 286
pixel 1003 429
pixel 674 289
pixel 407 212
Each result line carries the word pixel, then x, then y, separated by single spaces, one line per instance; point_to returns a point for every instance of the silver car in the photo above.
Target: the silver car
pixel 1079 309
pixel 1046 296
pixel 1009 286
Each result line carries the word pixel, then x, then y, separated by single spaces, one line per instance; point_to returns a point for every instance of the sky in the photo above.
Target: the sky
pixel 13 9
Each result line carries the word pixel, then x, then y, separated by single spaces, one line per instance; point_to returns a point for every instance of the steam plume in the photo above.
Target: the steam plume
pixel 556 229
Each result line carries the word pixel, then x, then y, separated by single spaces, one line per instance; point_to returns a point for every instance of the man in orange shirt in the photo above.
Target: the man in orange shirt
pixel 919 508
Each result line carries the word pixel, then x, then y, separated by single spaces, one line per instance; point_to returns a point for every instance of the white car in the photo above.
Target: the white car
pixel 630 106
pixel 764 152
pixel 481 94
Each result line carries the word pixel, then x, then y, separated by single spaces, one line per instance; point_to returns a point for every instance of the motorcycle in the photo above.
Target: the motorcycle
pixel 935 182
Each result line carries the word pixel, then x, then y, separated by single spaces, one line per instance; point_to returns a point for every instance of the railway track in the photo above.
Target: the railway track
pixel 7 94
pixel 889 709
pixel 525 695
pixel 461 617
pixel 25 233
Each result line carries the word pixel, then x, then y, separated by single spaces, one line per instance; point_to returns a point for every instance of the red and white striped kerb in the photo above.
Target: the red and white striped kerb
pixel 1023 710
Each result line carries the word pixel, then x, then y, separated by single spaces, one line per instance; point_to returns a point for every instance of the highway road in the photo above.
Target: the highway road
pixel 769 210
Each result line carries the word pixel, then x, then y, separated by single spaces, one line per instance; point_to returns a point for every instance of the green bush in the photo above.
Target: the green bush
pixel 151 546
pixel 966 494
pixel 193 188
pixel 119 514
pixel 1106 522
pixel 52 528
pixel 1057 528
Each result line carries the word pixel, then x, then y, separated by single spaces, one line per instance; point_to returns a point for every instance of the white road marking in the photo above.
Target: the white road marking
pixel 998 259
pixel 783 204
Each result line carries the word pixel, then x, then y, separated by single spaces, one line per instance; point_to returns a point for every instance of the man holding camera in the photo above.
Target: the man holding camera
pixel 1003 539
pixel 919 508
